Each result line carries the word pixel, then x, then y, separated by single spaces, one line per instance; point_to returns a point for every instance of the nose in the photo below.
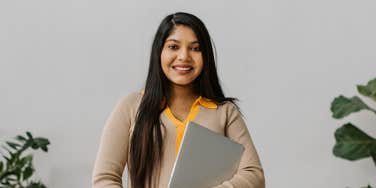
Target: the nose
pixel 183 54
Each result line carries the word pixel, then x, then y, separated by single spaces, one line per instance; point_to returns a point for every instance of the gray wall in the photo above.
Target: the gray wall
pixel 64 64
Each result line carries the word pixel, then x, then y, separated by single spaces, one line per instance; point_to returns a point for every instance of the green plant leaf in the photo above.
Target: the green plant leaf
pixel 24 161
pixel 21 138
pixel 27 172
pixel 368 90
pixel 7 159
pixel 13 145
pixel 29 158
pixel 40 143
pixel 36 185
pixel 29 135
pixel 1 166
pixel 44 148
pixel 352 143
pixel 17 172
pixel 342 106
pixel 368 186
pixel 34 146
pixel 12 156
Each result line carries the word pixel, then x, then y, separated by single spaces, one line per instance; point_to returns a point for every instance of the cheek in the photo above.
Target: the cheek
pixel 201 67
pixel 166 58
pixel 200 62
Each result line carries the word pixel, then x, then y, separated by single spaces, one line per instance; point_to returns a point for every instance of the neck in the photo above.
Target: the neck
pixel 182 95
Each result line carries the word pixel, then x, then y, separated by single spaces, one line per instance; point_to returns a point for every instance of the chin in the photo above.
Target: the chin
pixel 183 84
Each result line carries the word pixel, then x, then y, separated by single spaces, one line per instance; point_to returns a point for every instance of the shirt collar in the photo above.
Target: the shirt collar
pixel 207 103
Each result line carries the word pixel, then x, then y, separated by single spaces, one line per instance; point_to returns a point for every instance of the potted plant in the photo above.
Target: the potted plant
pixel 351 142
pixel 16 168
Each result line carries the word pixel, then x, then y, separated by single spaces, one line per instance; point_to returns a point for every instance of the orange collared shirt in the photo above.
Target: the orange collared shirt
pixel 180 125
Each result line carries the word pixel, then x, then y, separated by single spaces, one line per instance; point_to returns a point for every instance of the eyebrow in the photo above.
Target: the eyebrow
pixel 177 41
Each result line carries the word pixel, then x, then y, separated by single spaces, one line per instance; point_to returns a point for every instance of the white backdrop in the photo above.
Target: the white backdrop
pixel 64 65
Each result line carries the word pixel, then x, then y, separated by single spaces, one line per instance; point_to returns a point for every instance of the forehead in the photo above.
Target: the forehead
pixel 182 33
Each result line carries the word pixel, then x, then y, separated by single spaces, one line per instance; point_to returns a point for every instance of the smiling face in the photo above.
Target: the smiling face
pixel 181 57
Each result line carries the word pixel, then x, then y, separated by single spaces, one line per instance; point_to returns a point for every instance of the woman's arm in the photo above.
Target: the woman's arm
pixel 113 148
pixel 250 173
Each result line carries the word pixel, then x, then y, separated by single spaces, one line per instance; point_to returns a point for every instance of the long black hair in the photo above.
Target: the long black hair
pixel 146 148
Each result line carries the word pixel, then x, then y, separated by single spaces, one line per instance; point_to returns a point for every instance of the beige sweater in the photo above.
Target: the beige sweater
pixel 112 156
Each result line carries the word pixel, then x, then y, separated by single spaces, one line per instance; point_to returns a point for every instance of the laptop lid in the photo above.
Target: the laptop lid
pixel 205 159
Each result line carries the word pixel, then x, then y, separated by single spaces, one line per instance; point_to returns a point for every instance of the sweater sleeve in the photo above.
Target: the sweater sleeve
pixel 250 173
pixel 113 148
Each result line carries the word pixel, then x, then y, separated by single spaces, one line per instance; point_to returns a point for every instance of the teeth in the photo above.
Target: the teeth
pixel 183 68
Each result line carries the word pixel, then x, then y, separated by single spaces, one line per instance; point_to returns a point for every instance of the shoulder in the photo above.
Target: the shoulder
pixel 228 107
pixel 130 101
pixel 229 110
pixel 131 97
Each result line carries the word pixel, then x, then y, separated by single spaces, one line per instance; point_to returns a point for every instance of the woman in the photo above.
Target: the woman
pixel 144 130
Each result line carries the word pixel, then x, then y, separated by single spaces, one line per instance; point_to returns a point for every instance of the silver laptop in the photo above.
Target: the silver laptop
pixel 205 159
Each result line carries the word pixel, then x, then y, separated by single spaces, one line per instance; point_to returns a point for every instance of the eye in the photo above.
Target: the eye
pixel 197 49
pixel 172 46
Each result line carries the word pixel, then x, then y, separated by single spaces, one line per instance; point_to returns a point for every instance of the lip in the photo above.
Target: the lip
pixel 182 69
pixel 182 66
